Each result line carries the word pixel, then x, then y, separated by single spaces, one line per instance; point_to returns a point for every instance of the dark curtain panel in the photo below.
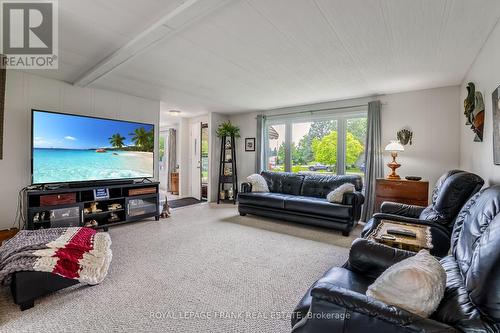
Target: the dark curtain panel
pixel 259 142
pixel 2 103
pixel 374 159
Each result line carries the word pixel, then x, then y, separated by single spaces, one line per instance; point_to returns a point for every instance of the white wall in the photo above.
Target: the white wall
pixel 24 92
pixel 432 114
pixel 245 160
pixel 485 74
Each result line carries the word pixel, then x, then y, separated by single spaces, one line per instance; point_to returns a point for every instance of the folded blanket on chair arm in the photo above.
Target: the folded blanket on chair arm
pixel 75 253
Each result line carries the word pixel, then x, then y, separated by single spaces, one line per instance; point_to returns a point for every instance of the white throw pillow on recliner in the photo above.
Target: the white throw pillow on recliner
pixel 258 182
pixel 415 284
pixel 337 195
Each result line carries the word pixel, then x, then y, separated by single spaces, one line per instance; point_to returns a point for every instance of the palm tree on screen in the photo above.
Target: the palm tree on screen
pixel 117 141
pixel 140 137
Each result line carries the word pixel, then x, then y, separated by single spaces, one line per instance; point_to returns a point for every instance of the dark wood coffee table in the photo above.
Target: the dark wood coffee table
pixel 423 239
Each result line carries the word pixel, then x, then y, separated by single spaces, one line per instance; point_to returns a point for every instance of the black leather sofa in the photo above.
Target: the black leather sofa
pixel 471 303
pixel 302 198
pixel 451 192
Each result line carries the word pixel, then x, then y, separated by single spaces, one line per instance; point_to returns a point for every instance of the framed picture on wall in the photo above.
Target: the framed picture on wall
pixel 249 144
pixel 496 125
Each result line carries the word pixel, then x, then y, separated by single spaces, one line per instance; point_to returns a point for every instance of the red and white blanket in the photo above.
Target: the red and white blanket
pixel 76 253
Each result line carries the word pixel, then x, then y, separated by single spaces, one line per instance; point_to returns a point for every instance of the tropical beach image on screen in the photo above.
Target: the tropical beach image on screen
pixel 68 148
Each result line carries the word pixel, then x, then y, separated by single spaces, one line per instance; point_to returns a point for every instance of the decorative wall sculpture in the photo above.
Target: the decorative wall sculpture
pixel 405 136
pixel 496 125
pixel 474 111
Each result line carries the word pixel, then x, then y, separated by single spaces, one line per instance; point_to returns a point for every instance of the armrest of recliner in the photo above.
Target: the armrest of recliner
pixel 372 258
pixel 246 187
pixel 399 218
pixel 396 208
pixel 360 303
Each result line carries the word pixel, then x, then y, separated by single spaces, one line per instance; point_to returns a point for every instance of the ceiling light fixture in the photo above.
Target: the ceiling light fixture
pixel 174 112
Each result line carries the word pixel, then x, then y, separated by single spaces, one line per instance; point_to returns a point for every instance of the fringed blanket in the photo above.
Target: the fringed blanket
pixel 75 253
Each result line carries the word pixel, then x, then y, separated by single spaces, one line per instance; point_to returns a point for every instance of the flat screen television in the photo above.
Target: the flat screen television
pixel 70 148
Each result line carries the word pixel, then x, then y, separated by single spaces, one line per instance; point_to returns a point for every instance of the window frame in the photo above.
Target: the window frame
pixel 341 116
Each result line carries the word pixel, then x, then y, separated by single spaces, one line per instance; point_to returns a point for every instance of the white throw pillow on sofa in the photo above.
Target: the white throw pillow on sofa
pixel 415 284
pixel 258 183
pixel 337 195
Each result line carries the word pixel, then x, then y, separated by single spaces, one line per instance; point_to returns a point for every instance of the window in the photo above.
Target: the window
pixel 355 145
pixel 330 144
pixel 275 154
pixel 312 148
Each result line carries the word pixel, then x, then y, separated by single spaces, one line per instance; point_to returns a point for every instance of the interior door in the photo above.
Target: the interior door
pixel 204 150
pixel 195 162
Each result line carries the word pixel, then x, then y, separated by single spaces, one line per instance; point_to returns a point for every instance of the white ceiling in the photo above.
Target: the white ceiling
pixel 261 54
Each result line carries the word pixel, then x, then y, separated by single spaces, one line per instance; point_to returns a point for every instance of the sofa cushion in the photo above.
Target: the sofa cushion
pixel 263 199
pixel 317 185
pixel 420 278
pixel 337 195
pixel 258 182
pixel 318 206
pixel 283 182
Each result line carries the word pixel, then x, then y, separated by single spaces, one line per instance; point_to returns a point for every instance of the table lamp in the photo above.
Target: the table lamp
pixel 394 147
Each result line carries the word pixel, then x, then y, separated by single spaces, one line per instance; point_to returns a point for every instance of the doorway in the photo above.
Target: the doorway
pixel 199 160
pixel 168 168
pixel 204 161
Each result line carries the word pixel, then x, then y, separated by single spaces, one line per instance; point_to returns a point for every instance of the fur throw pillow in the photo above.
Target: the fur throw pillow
pixel 337 195
pixel 415 284
pixel 258 183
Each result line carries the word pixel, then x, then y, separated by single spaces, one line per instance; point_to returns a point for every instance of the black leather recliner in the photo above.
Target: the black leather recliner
pixel 451 192
pixel 301 198
pixel 471 303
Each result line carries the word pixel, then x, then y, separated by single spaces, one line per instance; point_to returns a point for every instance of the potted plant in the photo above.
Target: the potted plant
pixel 228 129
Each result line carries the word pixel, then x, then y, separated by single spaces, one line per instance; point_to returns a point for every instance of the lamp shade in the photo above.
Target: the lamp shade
pixel 394 146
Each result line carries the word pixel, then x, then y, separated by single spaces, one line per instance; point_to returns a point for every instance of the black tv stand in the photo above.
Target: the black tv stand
pixel 76 206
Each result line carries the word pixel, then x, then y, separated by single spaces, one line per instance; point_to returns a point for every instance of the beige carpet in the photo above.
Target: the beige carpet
pixel 206 269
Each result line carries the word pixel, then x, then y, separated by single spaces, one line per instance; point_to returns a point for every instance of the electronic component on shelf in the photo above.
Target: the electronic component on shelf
pixel 101 193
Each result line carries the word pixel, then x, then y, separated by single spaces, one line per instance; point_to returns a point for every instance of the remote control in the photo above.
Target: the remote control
pixel 402 232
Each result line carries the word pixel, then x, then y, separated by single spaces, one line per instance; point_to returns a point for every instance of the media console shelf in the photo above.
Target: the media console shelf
pixel 107 205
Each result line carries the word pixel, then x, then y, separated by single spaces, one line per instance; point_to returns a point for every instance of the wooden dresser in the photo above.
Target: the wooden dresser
pixel 174 182
pixel 403 191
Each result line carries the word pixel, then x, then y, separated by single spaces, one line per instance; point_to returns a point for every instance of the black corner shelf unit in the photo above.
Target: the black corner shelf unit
pixel 71 206
pixel 228 174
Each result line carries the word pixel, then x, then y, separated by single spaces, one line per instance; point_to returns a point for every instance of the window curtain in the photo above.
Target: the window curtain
pixel 259 143
pixel 374 159
pixel 172 153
